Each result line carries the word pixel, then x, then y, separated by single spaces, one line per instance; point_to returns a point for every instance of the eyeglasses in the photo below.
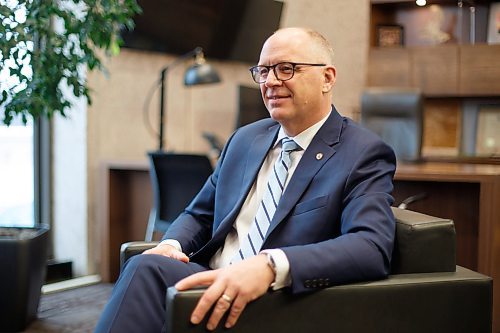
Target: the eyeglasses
pixel 283 71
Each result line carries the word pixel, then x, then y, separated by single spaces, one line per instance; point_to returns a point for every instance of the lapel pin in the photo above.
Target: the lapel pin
pixel 319 156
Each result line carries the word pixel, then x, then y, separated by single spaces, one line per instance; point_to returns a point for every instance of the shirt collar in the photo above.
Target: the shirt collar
pixel 304 138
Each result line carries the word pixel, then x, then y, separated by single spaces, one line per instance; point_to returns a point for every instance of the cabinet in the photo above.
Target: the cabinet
pixel 479 73
pixel 439 71
pixel 455 76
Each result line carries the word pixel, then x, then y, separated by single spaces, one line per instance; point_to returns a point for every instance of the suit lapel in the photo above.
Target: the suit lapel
pixel 317 154
pixel 255 156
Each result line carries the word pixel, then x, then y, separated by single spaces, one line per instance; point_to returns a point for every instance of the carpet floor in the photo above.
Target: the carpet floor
pixel 75 310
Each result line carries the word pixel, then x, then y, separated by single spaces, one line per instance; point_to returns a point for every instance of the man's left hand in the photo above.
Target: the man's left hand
pixel 230 288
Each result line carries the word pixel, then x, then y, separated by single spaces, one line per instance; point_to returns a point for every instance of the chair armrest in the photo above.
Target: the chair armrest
pixel 424 243
pixel 458 301
pixel 130 249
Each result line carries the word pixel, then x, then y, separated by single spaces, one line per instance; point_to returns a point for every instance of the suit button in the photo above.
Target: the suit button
pixel 307 283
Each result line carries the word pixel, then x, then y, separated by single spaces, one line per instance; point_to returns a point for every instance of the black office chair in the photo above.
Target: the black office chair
pixel 396 115
pixel 175 179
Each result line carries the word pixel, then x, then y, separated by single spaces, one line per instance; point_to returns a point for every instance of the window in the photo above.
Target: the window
pixel 24 148
pixel 16 175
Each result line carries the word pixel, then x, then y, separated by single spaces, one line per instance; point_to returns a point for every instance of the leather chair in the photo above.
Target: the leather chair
pixel 396 115
pixel 425 292
pixel 175 180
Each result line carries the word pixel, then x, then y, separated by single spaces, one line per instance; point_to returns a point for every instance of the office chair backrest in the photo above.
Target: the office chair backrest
pixel 175 179
pixel 396 115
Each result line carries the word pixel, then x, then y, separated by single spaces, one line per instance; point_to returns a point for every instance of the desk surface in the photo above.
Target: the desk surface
pixel 446 171
pixel 139 165
pixel 403 169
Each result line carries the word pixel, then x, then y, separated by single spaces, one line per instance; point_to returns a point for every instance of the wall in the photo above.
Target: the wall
pixel 116 126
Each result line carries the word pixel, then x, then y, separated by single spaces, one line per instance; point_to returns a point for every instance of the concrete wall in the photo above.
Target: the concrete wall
pixel 116 128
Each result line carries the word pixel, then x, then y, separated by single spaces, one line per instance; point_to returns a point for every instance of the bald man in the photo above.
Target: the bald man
pixel 303 196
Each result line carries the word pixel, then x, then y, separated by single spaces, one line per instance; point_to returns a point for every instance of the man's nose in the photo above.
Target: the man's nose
pixel 272 80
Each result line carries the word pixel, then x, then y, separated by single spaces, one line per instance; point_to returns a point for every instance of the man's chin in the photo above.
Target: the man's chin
pixel 278 113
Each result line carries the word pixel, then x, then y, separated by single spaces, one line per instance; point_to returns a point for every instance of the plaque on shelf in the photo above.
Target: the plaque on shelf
pixel 390 35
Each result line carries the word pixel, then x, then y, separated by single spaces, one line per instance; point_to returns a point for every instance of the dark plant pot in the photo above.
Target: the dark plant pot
pixel 23 259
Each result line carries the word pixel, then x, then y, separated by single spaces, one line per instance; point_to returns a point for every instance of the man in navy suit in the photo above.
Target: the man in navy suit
pixel 332 225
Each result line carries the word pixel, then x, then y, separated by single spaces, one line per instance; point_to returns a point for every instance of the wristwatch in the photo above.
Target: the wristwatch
pixel 270 261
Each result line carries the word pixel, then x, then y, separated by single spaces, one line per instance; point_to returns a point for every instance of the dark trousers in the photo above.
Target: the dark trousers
pixel 137 303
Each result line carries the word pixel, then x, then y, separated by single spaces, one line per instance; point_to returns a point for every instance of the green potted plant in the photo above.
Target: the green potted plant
pixel 45 44
pixel 40 58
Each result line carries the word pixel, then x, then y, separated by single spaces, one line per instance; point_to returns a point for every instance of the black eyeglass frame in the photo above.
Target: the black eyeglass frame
pixel 293 64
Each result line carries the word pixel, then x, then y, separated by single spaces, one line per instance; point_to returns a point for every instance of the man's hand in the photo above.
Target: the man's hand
pixel 230 288
pixel 168 250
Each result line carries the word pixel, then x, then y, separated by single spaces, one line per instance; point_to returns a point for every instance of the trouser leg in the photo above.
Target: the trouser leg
pixel 137 303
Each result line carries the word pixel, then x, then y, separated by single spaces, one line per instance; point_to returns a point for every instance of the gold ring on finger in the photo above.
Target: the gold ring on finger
pixel 227 298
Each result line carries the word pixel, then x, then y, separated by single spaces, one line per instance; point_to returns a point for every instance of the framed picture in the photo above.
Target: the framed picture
pixel 494 24
pixel 390 35
pixel 488 135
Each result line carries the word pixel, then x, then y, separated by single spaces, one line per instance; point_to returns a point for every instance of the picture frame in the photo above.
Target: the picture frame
pixel 390 35
pixel 494 24
pixel 487 134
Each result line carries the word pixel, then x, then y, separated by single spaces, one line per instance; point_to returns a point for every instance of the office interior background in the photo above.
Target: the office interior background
pixel 453 63
pixel 113 127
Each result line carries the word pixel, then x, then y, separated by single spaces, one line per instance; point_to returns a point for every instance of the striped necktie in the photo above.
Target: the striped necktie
pixel 276 183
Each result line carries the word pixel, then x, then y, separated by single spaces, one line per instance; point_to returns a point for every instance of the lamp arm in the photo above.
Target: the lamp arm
pixel 163 85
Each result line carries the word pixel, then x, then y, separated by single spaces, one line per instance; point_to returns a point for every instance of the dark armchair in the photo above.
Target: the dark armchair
pixel 426 292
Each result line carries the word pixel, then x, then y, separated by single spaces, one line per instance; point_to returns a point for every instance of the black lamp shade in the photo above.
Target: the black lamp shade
pixel 200 74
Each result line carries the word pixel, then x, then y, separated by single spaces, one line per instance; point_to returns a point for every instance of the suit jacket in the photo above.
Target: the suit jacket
pixel 333 222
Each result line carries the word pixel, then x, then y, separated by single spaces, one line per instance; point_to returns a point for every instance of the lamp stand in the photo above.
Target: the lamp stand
pixel 162 107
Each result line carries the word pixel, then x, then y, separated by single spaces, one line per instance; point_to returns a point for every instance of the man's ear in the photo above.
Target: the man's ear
pixel 330 77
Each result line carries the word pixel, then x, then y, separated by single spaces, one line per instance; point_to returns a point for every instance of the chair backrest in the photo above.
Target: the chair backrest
pixel 175 179
pixel 396 115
